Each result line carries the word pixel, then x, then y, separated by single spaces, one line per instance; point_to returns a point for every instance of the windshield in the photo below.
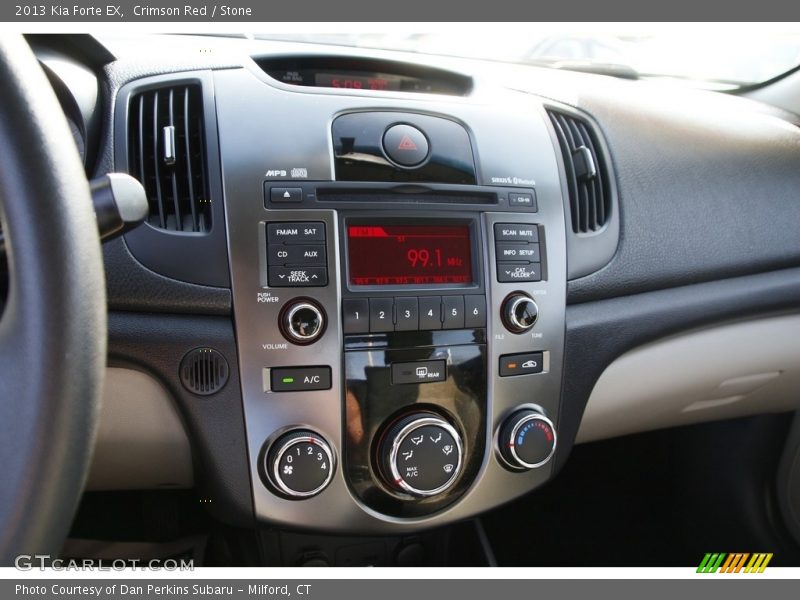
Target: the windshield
pixel 718 55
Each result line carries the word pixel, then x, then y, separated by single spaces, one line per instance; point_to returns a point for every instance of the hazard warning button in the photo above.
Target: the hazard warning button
pixel 405 145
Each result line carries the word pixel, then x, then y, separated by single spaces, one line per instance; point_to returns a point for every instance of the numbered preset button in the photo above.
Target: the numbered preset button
pixel 453 312
pixel 381 315
pixel 406 314
pixel 474 311
pixel 355 315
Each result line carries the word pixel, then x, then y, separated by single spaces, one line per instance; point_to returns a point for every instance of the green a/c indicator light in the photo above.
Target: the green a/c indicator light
pixel 288 380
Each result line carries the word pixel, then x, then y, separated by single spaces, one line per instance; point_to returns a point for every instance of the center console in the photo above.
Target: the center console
pixel 398 268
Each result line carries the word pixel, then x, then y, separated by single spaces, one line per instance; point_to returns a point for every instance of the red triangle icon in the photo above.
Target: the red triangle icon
pixel 407 144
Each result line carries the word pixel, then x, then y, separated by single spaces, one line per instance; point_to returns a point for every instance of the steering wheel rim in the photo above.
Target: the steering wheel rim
pixel 53 328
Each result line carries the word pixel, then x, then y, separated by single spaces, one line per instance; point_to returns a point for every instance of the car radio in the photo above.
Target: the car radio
pixel 399 309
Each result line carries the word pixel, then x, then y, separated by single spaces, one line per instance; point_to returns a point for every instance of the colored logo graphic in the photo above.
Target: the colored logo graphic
pixel 734 563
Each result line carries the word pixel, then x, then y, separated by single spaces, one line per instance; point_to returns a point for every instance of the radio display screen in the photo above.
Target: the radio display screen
pixel 394 254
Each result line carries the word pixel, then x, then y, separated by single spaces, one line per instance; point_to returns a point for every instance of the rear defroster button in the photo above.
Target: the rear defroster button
pixel 405 145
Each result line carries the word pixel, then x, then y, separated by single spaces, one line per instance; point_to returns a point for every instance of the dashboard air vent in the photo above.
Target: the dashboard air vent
pixel 587 175
pixel 167 153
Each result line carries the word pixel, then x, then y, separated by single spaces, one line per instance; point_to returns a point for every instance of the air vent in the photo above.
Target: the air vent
pixel 204 371
pixel 167 153
pixel 587 175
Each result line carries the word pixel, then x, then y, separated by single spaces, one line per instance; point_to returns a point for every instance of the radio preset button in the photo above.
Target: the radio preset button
pixel 513 272
pixel 311 255
pixel 407 313
pixel 474 311
pixel 290 233
pixel 381 318
pixel 430 312
pixel 355 315
pixel 453 312
pixel 517 252
pixel 516 232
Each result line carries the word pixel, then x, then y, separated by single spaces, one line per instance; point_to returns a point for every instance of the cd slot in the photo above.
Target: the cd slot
pixel 407 194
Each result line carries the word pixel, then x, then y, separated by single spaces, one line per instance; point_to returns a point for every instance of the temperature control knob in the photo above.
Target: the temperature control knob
pixel 421 455
pixel 299 464
pixel 519 313
pixel 527 439
pixel 302 322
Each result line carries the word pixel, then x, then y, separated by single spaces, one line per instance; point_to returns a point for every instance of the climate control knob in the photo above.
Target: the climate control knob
pixel 527 439
pixel 302 322
pixel 299 464
pixel 421 454
pixel 519 313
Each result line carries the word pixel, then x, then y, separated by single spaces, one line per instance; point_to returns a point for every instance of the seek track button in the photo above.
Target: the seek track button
pixel 426 371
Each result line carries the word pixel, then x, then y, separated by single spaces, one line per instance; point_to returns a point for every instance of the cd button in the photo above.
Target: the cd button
pixel 522 200
pixel 312 255
pixel 405 145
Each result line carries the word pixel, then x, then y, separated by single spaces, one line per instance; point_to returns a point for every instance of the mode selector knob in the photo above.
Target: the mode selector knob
pixel 519 312
pixel 302 322
pixel 421 454
pixel 527 439
pixel 299 464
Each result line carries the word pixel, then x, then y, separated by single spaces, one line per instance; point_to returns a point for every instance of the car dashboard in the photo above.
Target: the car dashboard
pixel 380 293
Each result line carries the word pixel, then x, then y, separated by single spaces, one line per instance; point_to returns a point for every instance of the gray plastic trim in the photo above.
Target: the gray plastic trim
pixel 141 442
pixel 721 372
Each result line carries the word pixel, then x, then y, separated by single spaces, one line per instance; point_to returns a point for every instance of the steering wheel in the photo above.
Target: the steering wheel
pixel 53 328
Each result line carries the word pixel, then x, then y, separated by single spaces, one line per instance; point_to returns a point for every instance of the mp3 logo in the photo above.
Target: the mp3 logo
pixel 276 173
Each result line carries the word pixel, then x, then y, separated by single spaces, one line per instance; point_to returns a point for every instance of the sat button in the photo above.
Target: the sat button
pixel 405 145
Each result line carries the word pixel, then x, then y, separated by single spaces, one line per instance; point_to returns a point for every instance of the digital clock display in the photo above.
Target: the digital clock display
pixel 357 82
pixel 409 254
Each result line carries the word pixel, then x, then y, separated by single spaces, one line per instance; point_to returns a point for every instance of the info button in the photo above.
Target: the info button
pixel 418 372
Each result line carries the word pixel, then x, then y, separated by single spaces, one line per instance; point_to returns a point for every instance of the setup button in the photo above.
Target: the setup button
pixel 300 379
pixel 425 371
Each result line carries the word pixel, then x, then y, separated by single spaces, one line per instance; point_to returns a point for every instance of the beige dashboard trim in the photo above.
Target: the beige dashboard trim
pixel 141 442
pixel 717 373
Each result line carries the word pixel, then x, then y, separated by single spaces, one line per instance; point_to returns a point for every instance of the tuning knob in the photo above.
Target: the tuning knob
pixel 527 439
pixel 421 455
pixel 519 312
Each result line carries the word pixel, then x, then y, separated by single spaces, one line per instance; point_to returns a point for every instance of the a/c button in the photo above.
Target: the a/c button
pixel 300 379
